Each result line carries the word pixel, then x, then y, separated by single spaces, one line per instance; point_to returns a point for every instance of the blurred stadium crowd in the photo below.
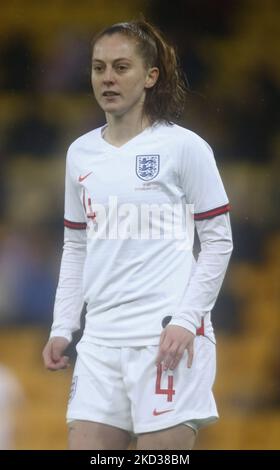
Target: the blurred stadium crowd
pixel 228 51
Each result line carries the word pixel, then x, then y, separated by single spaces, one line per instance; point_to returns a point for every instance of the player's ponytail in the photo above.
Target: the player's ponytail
pixel 165 100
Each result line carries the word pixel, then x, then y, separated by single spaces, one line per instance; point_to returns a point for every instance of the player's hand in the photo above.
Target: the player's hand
pixel 173 342
pixel 53 353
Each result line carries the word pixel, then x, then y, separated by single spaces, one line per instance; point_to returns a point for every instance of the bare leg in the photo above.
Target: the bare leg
pixel 92 436
pixel 179 437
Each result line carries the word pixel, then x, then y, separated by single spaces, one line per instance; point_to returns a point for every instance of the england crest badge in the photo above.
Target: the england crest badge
pixel 147 166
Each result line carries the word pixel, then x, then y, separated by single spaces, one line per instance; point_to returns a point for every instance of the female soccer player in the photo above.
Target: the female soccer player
pixel 146 360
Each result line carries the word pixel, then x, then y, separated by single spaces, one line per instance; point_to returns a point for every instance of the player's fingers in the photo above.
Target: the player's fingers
pixel 51 365
pixel 47 357
pixel 161 341
pixel 174 363
pixel 190 355
pixel 171 356
pixel 162 337
pixel 57 352
pixel 163 351
pixel 53 358
pixel 63 363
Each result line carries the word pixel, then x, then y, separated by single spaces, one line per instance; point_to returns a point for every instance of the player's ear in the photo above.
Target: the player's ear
pixel 152 77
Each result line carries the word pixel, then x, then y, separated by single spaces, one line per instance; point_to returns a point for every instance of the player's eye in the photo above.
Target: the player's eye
pixel 122 67
pixel 97 68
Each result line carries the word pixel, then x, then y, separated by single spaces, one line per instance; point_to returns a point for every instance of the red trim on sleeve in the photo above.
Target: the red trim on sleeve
pixel 75 225
pixel 200 330
pixel 212 212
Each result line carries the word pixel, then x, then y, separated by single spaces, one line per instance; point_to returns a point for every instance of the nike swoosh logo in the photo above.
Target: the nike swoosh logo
pixel 82 178
pixel 157 413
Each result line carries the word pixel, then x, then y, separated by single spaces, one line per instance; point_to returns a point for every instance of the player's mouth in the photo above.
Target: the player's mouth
pixel 110 94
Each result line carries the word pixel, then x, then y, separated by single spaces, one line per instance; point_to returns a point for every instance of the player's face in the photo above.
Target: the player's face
pixel 119 76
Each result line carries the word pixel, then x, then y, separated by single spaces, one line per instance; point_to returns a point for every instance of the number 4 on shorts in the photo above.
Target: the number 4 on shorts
pixel 164 391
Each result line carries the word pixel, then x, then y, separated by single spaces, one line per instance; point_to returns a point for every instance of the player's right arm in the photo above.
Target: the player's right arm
pixel 69 294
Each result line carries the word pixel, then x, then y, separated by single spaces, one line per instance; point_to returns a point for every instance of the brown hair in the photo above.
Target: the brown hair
pixel 165 100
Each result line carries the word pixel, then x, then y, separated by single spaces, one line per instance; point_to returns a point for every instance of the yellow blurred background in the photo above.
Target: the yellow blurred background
pixel 229 51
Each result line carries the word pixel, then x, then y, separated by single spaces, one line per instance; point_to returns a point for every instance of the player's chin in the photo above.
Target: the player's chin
pixel 114 111
pixel 110 109
pixel 113 106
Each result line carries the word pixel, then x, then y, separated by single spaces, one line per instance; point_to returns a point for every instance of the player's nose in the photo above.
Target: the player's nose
pixel 108 76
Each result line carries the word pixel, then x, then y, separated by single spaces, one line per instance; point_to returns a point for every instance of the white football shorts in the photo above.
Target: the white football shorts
pixel 123 387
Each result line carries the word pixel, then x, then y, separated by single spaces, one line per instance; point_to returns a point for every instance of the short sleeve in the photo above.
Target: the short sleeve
pixel 74 214
pixel 200 179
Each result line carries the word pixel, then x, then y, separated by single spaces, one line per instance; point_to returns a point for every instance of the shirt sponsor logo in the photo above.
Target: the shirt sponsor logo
pixel 147 166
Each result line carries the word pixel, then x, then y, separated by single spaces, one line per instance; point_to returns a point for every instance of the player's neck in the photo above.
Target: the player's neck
pixel 121 129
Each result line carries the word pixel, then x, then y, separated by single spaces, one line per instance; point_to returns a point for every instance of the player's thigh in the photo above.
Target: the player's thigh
pixel 179 437
pixel 88 435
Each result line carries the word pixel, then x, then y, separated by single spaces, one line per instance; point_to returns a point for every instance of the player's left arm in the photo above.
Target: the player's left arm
pixel 200 180
pixel 206 281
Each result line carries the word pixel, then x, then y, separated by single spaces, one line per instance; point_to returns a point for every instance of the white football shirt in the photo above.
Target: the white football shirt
pixel 131 283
